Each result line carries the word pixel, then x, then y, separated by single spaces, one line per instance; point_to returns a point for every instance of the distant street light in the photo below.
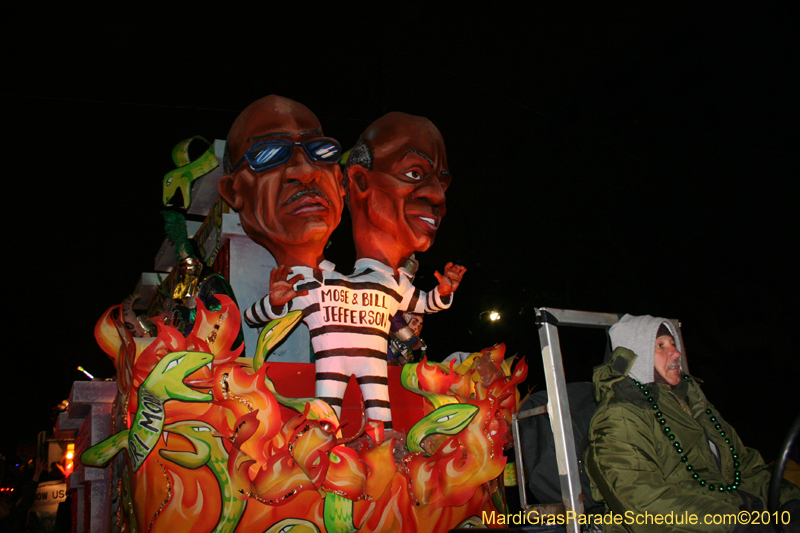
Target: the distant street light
pixel 493 315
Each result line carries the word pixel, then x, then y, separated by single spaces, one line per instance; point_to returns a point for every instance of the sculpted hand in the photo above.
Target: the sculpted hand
pixel 448 283
pixel 281 289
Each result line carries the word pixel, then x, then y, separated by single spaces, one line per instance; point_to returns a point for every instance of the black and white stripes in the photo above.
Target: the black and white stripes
pixel 348 318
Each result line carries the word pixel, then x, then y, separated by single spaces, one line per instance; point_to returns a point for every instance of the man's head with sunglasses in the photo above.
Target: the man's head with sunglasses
pixel 283 178
pixel 396 177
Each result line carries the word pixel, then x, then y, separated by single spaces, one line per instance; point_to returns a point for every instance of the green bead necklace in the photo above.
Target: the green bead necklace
pixel 737 476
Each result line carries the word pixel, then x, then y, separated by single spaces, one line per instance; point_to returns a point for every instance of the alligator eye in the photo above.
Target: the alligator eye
pixel 445 418
pixel 326 426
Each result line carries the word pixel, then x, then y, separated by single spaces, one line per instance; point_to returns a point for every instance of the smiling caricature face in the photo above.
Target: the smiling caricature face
pixel 296 205
pixel 400 201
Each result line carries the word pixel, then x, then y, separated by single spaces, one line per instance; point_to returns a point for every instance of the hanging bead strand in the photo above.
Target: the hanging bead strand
pixel 737 476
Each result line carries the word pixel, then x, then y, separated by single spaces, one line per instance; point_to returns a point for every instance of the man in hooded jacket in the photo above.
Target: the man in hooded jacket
pixel 659 448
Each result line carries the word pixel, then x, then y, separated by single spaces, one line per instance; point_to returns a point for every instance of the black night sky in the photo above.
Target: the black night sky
pixel 627 159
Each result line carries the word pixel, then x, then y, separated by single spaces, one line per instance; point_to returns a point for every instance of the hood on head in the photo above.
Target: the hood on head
pixel 638 334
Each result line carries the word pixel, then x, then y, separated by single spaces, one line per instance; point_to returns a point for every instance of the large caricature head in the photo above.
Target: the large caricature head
pixel 397 176
pixel 288 196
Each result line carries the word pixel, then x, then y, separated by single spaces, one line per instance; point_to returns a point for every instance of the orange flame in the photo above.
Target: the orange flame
pixel 434 379
pixel 243 392
pixel 347 474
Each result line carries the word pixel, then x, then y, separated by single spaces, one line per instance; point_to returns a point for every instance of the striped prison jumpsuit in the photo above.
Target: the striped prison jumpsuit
pixel 348 318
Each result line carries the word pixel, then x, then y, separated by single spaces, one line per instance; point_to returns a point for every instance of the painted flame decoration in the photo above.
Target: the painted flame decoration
pixel 433 379
pixel 347 474
pixel 252 468
pixel 243 392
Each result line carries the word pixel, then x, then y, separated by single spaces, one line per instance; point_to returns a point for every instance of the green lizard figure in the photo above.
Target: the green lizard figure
pixel 209 451
pixel 164 383
pixel 447 420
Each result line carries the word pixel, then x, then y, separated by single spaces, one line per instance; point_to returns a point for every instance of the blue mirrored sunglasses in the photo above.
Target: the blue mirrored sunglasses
pixel 270 154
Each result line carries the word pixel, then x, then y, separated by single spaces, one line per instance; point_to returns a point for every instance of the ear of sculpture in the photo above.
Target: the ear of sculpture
pixel 357 178
pixel 229 192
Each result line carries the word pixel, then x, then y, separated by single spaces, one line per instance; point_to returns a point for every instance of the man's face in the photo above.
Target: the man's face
pixel 407 184
pixel 296 203
pixel 668 364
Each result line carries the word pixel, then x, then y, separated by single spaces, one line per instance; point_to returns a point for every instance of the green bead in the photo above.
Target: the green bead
pixel 729 488
pixel 650 399
pixel 658 414
pixel 736 465
pixel 717 426
pixel 708 411
pixel 735 457
pixel 702 483
pixel 713 418
pixel 723 434
pixel 676 444
pixel 666 429
pixel 727 441
pixel 662 421
pixel 711 487
pixel 690 468
pixel 684 459
pixel 647 393
pixel 671 437
pixel 680 450
pixel 722 489
pixel 655 407
pixel 686 376
pixel 695 476
pixel 731 448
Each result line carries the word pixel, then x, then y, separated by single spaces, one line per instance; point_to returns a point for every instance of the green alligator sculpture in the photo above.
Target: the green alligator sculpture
pixel 164 383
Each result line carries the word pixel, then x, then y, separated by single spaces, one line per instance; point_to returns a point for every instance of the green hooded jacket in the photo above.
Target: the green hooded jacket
pixel 636 469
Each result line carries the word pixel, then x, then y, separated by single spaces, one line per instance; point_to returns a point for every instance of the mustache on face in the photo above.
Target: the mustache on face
pixel 306 192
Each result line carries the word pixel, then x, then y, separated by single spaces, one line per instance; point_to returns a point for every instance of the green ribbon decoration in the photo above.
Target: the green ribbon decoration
pixel 187 171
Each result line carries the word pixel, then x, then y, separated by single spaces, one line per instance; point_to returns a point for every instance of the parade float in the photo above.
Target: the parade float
pixel 194 436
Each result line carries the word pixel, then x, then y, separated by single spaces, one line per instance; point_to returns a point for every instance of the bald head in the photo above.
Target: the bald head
pixel 390 131
pixel 397 176
pixel 271 117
